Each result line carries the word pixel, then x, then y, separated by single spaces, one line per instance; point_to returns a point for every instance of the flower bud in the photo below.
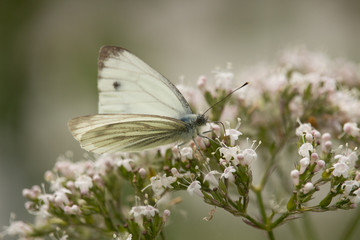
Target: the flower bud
pixel 142 173
pixel 201 83
pixel 319 165
pixel 295 176
pixel 308 137
pixel 308 187
pixel 314 157
pixel 166 215
pixel 326 137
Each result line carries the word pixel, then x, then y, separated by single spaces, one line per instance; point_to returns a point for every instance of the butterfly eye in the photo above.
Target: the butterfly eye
pixel 116 85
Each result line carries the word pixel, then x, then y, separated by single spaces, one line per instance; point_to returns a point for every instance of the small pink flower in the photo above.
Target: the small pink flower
pixel 351 129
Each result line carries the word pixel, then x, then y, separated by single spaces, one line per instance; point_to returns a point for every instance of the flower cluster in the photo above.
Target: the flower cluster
pixel 86 199
pixel 302 108
pixel 324 166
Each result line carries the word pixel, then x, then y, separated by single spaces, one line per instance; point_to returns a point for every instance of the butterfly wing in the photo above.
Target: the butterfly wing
pixel 109 133
pixel 128 85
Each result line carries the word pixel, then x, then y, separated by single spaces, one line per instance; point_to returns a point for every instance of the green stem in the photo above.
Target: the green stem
pixel 271 235
pixel 309 229
pixel 162 235
pixel 279 220
pixel 257 192
pixel 351 227
pixel 256 223
pixel 266 220
pixel 268 169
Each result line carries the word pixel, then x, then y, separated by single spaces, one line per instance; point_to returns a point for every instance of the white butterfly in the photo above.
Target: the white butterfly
pixel 138 108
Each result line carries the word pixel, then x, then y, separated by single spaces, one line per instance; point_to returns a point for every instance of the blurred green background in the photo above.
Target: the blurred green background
pixel 48 70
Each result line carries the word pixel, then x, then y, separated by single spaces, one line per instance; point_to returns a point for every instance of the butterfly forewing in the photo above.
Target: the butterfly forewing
pixel 128 85
pixel 138 108
pixel 126 133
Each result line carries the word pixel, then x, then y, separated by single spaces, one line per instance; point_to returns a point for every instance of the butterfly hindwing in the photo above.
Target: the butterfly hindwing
pixel 126 132
pixel 128 85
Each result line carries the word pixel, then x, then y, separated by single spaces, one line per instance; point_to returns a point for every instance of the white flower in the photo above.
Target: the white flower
pixel 305 149
pixel 228 173
pixel 32 193
pixel 303 128
pixel 125 163
pixel 304 163
pixel 234 135
pixel 341 169
pixel 295 176
pixel 84 183
pixel 211 179
pixel 167 181
pixel 73 210
pixel 186 153
pixel 308 187
pixel 18 228
pixel 176 173
pixel 45 200
pixel 104 163
pixel 349 185
pixel 143 211
pixel 195 188
pixel 60 197
pixel 349 160
pixel 249 155
pixel 158 184
pixel 224 79
pixel 72 170
pixel 228 153
pixel 57 183
pixel 356 199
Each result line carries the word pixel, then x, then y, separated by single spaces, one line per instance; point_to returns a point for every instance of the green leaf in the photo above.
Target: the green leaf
pixel 291 205
pixel 326 201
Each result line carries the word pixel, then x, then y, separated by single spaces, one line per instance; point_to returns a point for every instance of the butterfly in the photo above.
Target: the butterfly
pixel 139 108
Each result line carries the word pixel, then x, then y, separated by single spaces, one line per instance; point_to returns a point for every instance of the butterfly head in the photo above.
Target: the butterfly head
pixel 194 120
pixel 201 120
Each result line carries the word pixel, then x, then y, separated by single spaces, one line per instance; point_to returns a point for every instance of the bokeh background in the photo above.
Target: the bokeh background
pixel 48 69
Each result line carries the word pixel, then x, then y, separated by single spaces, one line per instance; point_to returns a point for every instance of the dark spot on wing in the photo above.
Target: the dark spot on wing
pixel 116 85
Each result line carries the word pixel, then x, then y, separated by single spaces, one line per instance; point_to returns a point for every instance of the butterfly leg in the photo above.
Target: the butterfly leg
pixel 198 148
pixel 210 139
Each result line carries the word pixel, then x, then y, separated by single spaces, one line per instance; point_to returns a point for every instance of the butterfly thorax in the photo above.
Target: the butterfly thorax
pixel 194 121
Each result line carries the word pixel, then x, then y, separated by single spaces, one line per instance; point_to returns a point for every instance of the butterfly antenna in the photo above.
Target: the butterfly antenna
pixel 227 96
